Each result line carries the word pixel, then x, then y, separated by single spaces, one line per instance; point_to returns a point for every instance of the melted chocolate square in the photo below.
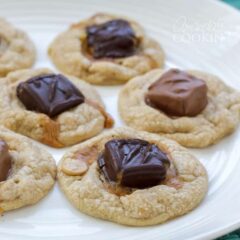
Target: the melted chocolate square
pixel 177 93
pixel 113 39
pixel 133 163
pixel 50 94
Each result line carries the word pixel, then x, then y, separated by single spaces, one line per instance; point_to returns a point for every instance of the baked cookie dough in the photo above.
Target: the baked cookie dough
pixel 70 51
pixel 31 174
pixel 85 185
pixel 16 49
pixel 55 129
pixel 219 118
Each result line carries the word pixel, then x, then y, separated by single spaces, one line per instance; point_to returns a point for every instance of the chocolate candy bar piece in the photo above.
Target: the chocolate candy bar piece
pixel 133 163
pixel 113 39
pixel 50 94
pixel 178 93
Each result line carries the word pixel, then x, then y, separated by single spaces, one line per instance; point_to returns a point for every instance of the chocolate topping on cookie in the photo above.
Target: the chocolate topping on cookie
pixel 51 94
pixel 178 93
pixel 113 39
pixel 133 163
pixel 5 161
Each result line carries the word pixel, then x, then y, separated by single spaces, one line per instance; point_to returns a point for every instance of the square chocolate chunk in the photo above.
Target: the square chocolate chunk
pixel 133 163
pixel 113 39
pixel 50 94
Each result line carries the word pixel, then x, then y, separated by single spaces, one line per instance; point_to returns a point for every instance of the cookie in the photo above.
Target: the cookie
pixel 106 49
pixel 132 178
pixel 194 108
pixel 51 108
pixel 27 172
pixel 16 49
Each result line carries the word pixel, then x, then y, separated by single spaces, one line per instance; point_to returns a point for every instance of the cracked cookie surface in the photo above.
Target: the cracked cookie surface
pixel 68 53
pixel 184 188
pixel 218 119
pixel 70 127
pixel 16 49
pixel 32 174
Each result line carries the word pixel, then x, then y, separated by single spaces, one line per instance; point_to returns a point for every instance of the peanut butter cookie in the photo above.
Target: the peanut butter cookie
pixel 51 108
pixel 105 50
pixel 132 178
pixel 194 108
pixel 16 49
pixel 27 172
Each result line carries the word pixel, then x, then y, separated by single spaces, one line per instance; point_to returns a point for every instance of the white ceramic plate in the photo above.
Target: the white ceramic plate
pixel 195 34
